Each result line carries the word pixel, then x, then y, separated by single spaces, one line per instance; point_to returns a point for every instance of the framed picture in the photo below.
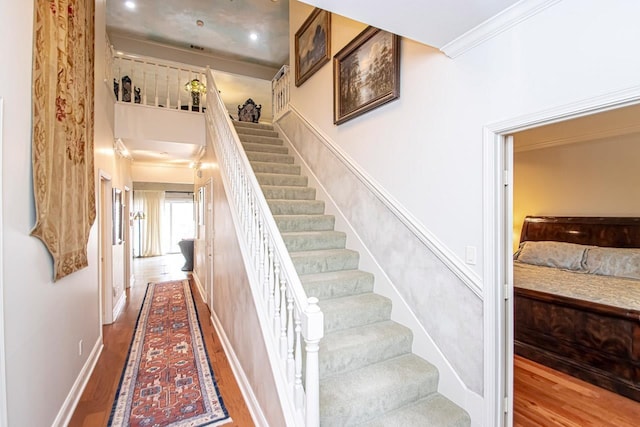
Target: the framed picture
pixel 313 44
pixel 366 74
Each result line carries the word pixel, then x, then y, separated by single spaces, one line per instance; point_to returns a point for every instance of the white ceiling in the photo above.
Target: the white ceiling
pixel 432 22
pixel 168 30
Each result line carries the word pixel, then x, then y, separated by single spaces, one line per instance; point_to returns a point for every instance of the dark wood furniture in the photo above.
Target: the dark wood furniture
pixel 594 342
pixel 249 112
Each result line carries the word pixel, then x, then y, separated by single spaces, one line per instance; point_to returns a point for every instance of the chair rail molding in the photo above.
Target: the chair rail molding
pixel 469 277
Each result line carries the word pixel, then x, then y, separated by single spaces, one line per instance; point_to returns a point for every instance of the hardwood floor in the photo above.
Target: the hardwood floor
pixel 544 397
pixel 95 404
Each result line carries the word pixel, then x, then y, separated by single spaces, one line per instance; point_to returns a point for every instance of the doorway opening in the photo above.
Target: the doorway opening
pixel 501 221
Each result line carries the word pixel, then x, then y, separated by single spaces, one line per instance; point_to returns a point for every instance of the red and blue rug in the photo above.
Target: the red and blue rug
pixel 168 380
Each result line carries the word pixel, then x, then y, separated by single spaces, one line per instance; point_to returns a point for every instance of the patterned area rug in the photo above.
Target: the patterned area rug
pixel 168 380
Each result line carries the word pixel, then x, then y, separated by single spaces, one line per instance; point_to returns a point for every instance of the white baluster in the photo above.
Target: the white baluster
pixel 155 87
pixel 168 94
pixel 144 83
pixel 271 284
pixel 298 389
pixel 291 368
pixel 313 327
pixel 283 319
pixel 276 298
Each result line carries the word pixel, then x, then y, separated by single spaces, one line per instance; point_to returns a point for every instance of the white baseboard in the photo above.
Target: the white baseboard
pixel 245 388
pixel 117 309
pixel 70 403
pixel 201 291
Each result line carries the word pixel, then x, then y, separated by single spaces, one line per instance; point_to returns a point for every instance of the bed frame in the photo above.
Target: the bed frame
pixel 594 342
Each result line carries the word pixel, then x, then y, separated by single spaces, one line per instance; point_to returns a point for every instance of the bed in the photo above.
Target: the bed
pixel 577 298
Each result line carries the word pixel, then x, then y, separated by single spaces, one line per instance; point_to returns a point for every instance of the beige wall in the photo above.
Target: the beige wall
pixel 43 321
pixel 232 300
pixel 594 178
pixel 160 173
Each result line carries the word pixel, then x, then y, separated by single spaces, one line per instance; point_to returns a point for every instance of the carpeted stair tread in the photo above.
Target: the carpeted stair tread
pixel 287 223
pixel 269 157
pixel 337 284
pixel 252 147
pixel 320 261
pixel 282 179
pixel 354 348
pixel 251 125
pixel 296 207
pixel 297 241
pixel 433 410
pixel 270 167
pixel 243 130
pixel 288 192
pixel 368 374
pixel 261 140
pixel 367 393
pixel 354 310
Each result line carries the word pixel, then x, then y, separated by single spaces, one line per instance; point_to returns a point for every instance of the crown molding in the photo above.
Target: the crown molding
pixel 490 28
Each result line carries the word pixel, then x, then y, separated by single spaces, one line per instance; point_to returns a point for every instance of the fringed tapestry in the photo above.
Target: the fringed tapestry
pixel 62 147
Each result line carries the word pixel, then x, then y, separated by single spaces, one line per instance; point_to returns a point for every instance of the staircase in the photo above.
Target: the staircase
pixel 368 374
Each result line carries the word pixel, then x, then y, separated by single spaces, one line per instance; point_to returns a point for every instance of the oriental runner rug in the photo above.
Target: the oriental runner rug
pixel 167 379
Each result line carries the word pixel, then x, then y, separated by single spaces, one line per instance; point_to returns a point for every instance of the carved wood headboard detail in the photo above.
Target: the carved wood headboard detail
pixel 617 232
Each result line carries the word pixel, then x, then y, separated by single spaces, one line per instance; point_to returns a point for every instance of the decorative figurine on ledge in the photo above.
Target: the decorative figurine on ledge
pixel 249 112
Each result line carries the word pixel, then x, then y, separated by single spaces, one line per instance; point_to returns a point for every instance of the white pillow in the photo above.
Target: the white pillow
pixel 568 256
pixel 621 262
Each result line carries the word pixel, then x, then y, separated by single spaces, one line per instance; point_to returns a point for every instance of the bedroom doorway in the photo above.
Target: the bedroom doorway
pixel 572 125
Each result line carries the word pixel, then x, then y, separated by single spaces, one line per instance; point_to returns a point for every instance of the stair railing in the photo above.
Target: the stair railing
pixel 280 92
pixel 289 317
pixel 154 82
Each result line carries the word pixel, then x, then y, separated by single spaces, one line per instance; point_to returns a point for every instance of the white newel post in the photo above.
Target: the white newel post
pixel 313 327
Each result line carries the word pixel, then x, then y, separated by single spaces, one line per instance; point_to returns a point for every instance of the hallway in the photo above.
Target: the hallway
pixel 94 406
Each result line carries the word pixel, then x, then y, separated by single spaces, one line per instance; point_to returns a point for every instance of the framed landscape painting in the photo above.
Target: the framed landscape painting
pixel 366 74
pixel 313 46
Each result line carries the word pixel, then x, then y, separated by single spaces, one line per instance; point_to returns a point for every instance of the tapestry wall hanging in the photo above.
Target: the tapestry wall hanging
pixel 62 146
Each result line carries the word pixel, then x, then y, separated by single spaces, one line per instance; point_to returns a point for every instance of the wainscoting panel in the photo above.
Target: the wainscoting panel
pixel 449 310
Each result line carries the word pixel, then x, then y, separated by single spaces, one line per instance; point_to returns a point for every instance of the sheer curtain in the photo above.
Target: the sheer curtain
pixel 152 204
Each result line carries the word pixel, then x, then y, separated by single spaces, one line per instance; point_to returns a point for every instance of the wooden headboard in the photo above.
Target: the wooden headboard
pixel 617 232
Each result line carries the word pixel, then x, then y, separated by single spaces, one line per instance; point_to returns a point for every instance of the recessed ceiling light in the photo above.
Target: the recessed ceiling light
pixel 200 23
pixel 130 5
pixel 253 36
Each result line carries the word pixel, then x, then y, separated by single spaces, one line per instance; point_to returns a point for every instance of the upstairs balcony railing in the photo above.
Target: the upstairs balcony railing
pixel 280 92
pixel 155 82
pixel 289 319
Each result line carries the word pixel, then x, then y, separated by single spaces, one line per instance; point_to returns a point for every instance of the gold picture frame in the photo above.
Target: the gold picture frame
pixel 312 44
pixel 366 74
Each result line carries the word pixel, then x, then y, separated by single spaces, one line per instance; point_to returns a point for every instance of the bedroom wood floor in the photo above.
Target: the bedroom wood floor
pixel 94 407
pixel 544 398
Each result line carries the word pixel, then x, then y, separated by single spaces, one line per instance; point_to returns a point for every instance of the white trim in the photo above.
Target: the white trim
pixel 119 305
pixel 70 403
pixel 469 277
pixel 450 384
pixel 104 256
pixel 496 326
pixel 590 136
pixel 291 416
pixel 243 382
pixel 3 375
pixel 495 25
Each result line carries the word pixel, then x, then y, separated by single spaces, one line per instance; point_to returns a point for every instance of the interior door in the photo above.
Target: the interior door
pixel 105 248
